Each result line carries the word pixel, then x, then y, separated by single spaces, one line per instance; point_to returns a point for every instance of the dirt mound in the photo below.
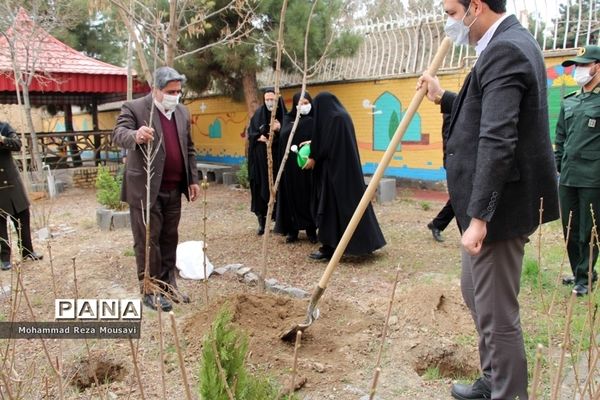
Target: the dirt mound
pixel 434 320
pixel 327 346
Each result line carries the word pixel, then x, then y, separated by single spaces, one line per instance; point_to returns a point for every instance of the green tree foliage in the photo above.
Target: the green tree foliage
pixel 221 68
pixel 99 35
pixel 231 346
pixel 108 189
pixel 569 11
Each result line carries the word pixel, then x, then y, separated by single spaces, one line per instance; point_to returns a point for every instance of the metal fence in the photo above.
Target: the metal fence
pixel 400 45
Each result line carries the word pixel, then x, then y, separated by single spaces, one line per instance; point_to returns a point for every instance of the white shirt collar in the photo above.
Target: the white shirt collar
pixel 161 108
pixel 485 39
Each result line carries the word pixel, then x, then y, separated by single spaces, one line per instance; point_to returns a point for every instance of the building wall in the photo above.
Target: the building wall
pixel 376 107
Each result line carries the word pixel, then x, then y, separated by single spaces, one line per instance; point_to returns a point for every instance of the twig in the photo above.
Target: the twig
pixel 188 394
pixel 373 389
pixel 136 369
pixel 49 246
pixel 161 349
pixel 204 186
pixel 295 367
pixel 272 189
pixel 56 369
pixel 564 345
pixel 539 251
pixel 536 371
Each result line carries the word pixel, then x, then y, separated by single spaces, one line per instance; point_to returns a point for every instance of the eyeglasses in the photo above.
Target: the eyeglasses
pixel 173 92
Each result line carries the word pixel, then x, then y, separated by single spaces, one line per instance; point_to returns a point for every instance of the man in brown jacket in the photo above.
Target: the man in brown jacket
pixel 173 173
pixel 13 200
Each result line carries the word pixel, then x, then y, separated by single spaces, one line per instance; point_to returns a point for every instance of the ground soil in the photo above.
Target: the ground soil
pixel 430 341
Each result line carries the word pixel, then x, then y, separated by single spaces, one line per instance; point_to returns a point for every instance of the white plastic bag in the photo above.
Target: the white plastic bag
pixel 190 260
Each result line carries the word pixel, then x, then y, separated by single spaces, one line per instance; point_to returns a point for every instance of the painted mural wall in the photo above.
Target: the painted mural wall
pixel 376 108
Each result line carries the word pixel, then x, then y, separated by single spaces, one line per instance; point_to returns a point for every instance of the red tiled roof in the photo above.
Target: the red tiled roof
pixel 59 68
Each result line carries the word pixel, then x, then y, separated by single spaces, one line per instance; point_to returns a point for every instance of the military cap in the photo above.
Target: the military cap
pixel 585 55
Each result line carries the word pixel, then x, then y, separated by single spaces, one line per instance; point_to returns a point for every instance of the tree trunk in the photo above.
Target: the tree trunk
pixel 172 33
pixel 36 157
pixel 250 86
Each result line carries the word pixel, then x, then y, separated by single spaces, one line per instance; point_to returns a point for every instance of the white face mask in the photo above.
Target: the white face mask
pixel 582 75
pixel 270 104
pixel 304 109
pixel 457 30
pixel 170 101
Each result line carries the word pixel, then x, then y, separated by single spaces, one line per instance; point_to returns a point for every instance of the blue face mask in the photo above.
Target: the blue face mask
pixel 457 30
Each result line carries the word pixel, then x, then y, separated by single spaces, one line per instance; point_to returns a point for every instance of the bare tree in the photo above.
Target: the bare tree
pixel 25 33
pixel 183 18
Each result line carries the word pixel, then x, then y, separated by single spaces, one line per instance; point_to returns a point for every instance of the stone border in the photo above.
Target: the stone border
pixel 246 275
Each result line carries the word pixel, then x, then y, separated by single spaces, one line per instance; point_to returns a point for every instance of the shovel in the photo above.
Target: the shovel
pixel 313 312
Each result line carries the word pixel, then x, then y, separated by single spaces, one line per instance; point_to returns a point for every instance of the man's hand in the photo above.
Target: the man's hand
pixel 144 134
pixel 194 191
pixel 433 86
pixel 262 138
pixel 276 126
pixel 472 238
pixel 310 164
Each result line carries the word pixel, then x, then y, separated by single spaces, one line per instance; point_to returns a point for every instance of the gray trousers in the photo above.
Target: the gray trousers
pixel 490 284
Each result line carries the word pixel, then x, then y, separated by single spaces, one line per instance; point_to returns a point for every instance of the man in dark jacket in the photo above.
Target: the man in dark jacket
pixel 13 200
pixel 499 165
pixel 174 173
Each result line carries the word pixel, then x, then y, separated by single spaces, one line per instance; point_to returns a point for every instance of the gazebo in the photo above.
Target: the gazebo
pixel 63 77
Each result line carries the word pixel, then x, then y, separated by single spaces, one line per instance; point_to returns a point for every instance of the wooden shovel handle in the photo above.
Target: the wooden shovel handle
pixel 383 164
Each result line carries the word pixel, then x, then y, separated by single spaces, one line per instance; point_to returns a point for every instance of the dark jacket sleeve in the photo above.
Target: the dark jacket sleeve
pixel 11 140
pixel 447 102
pixel 561 135
pixel 126 128
pixel 504 75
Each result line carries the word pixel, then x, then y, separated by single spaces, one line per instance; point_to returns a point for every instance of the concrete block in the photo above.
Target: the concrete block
pixel 386 190
pixel 120 219
pixel 103 218
pixel 229 178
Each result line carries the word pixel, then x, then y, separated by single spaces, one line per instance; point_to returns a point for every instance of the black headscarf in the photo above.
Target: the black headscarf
pixel 295 189
pixel 338 178
pixel 257 154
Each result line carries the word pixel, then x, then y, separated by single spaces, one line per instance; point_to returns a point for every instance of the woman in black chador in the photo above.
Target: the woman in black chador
pixel 339 181
pixel 258 134
pixel 295 188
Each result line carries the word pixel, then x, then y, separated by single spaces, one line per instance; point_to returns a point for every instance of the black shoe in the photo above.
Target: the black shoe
pixel 33 256
pixel 437 234
pixel 262 220
pixel 313 239
pixel 568 280
pixel 152 300
pixel 317 255
pixel 479 390
pixel 291 238
pixel 5 265
pixel 581 290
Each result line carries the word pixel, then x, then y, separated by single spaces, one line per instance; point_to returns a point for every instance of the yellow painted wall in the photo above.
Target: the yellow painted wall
pixel 219 123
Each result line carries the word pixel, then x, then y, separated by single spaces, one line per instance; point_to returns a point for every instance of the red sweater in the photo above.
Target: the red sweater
pixel 173 172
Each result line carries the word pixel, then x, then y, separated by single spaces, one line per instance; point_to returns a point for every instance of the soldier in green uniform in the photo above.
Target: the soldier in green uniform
pixel 577 153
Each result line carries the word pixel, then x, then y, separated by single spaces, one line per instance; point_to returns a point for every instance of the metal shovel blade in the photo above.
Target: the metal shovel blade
pixel 312 314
